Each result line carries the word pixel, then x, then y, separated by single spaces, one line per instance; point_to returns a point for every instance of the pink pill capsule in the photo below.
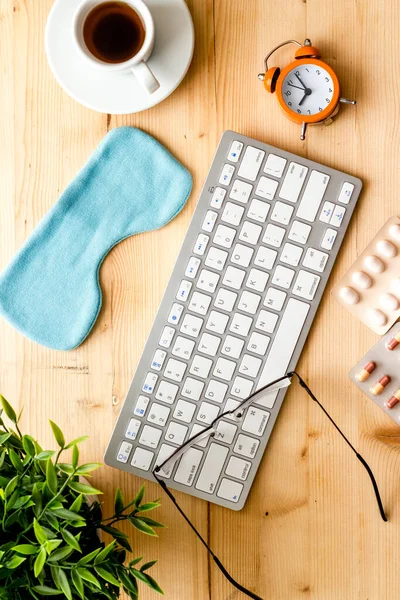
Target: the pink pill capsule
pixel 380 385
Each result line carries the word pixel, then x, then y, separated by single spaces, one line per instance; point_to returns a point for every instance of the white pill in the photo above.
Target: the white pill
pixel 373 263
pixel 349 295
pixel 362 279
pixel 386 248
pixel 395 232
pixel 377 317
pixel 389 302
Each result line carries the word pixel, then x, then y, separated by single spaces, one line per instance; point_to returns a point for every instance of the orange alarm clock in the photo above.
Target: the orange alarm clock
pixel 307 89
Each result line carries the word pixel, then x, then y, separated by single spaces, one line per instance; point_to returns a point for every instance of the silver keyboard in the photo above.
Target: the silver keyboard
pixel 236 313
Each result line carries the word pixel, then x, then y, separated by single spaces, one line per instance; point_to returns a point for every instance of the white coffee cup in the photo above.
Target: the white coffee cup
pixel 137 64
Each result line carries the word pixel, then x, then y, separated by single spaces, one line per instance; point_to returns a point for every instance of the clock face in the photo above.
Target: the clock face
pixel 307 90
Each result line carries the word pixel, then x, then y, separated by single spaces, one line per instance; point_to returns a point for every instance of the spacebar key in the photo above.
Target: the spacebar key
pixel 282 348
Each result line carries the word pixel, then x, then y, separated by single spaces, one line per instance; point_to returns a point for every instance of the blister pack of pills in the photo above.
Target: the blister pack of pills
pixel 370 289
pixel 378 373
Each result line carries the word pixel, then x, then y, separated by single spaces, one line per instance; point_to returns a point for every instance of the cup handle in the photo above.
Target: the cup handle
pixel 145 77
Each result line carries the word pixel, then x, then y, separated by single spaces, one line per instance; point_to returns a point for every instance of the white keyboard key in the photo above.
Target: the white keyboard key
pixel 209 220
pixel 274 235
pixel 209 344
pixel 255 421
pixel 230 490
pixel 249 302
pixel 158 414
pixel 142 459
pixel 267 320
pixel 216 258
pixel 217 322
pixel 166 337
pixel 251 163
pixel 329 239
pixel 224 236
pixel 275 165
pixel 234 151
pixel 282 213
pixel 234 277
pixel 306 285
pixel 346 192
pixel 240 191
pixel 199 303
pixel 291 254
pixel 274 299
pixel 149 383
pixel 150 436
pixel 176 433
pixel 327 212
pixel 175 314
pixel 242 255
pixel 184 290
pixel 299 232
pixel 258 343
pixel 218 197
pixel 188 466
pixel 312 196
pixel 225 432
pixel 266 188
pixel 293 182
pixel 183 347
pixel 232 214
pixel 193 267
pixel 175 370
pixel 250 233
pixel 238 468
pixel 338 216
pixel 265 257
pixel 315 260
pixel 283 277
pixel 212 468
pixel 201 244
pixel 200 366
pixel 158 359
pixel 225 299
pixel 196 429
pixel 192 388
pixel 164 453
pixel 257 280
pixel 242 387
pixel 224 369
pixel 250 365
pixel 167 392
pixel 124 452
pixel 240 324
pixel 246 446
pixel 132 429
pixel 141 406
pixel 230 405
pixel 216 391
pixel 226 174
pixel 191 325
pixel 232 346
pixel 184 411
pixel 207 281
pixel 258 210
pixel 207 413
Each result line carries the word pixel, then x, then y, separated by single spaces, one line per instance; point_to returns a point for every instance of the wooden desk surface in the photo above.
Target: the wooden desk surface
pixel 311 527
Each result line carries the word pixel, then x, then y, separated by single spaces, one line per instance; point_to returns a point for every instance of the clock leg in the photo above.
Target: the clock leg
pixel 303 131
pixel 347 101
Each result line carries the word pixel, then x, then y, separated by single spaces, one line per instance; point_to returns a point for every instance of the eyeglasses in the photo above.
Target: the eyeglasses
pixel 238 414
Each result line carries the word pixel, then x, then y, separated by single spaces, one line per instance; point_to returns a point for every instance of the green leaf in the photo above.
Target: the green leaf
pixel 104 553
pixel 71 540
pixel 88 468
pixel 147 580
pixel 88 576
pixel 88 558
pixel 37 498
pixel 142 526
pixel 61 553
pixel 10 487
pixel 75 456
pixel 58 434
pixel 151 522
pixel 78 583
pixel 66 468
pixel 39 562
pixel 22 501
pixel 52 520
pixel 107 576
pixel 67 515
pixel 25 549
pixel 135 561
pixel 77 504
pixel 119 501
pixel 76 441
pixel 28 445
pixel 45 590
pixel 64 585
pixel 128 581
pixel 51 476
pixel 113 531
pixel 139 496
pixel 51 545
pixel 8 409
pixel 39 532
pixel 44 455
pixel 154 585
pixel 149 506
pixel 14 562
pixel 55 504
pixel 4 437
pixel 147 565
pixel 15 460
pixel 83 488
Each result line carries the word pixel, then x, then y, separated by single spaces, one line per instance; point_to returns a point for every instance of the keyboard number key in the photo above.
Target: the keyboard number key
pixel 175 370
pixel 158 414
pixel 224 236
pixel 150 436
pixel 199 303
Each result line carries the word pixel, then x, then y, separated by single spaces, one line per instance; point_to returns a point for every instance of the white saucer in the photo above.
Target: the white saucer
pixel 112 92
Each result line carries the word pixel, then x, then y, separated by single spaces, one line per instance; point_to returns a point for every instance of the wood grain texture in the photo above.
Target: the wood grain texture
pixel 310 528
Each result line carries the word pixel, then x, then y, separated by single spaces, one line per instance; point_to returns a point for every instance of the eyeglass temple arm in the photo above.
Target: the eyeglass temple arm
pixel 360 458
pixel 215 558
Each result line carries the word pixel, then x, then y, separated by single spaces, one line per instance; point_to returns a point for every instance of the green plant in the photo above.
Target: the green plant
pixel 49 542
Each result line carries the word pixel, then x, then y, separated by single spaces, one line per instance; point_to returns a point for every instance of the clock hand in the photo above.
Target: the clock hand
pixel 307 92
pixel 302 100
pixel 295 86
pixel 304 87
